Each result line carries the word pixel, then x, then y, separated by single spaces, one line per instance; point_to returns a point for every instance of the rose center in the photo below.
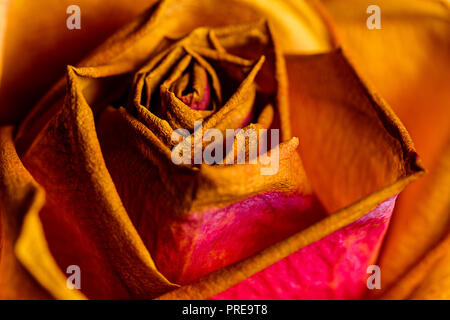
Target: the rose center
pixel 193 88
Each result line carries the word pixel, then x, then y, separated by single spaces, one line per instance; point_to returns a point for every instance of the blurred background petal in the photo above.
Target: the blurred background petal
pixel 4 5
pixel 38 45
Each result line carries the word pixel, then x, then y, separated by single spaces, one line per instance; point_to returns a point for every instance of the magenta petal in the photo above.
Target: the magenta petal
pixel 209 240
pixel 334 267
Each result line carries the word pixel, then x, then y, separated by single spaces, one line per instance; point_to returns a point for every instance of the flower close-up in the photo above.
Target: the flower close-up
pixel 223 150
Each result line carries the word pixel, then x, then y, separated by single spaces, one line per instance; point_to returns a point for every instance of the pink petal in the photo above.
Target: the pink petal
pixel 334 267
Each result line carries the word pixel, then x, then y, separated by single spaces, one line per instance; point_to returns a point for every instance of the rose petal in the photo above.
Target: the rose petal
pixel 20 197
pixel 225 278
pixel 414 44
pixel 83 207
pixel 200 97
pixel 335 267
pixel 360 144
pixel 181 213
pixel 355 136
pixel 427 279
pixel 26 54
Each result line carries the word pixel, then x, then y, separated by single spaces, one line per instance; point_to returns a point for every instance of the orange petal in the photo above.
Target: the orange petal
pixel 408 62
pixel 38 45
pixel 429 278
pixel 4 7
pixel 351 143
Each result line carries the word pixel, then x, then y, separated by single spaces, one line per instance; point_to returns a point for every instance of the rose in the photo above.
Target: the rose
pixel 79 184
pixel 69 124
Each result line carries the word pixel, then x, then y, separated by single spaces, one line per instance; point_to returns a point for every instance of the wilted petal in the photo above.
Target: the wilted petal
pixel 84 220
pixel 192 220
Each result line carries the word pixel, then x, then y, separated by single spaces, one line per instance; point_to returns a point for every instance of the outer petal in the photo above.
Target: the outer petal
pixel 360 144
pixel 21 198
pixel 4 6
pixel 84 221
pixel 408 61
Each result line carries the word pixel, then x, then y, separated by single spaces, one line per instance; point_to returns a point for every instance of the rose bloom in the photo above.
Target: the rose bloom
pixel 86 177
